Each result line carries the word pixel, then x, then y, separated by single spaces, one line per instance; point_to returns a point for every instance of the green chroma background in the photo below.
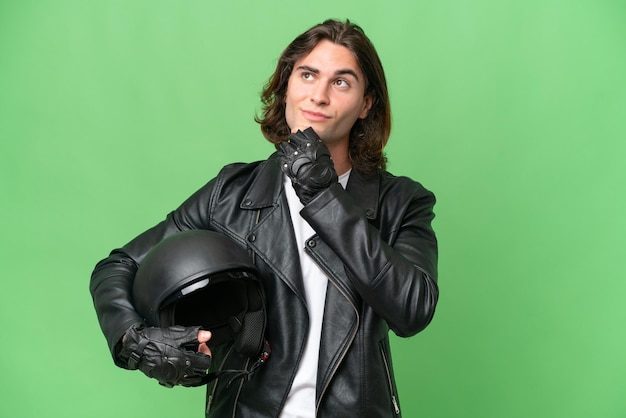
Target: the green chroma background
pixel 113 112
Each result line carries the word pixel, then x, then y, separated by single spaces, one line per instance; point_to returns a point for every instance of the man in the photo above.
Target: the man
pixel 345 250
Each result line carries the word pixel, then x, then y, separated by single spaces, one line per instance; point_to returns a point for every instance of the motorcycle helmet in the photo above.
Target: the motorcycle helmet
pixel 203 278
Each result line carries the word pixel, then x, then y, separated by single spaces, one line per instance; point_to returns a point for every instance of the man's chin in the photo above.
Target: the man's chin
pixel 320 131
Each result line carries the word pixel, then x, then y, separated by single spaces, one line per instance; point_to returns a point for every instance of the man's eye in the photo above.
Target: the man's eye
pixel 342 83
pixel 307 76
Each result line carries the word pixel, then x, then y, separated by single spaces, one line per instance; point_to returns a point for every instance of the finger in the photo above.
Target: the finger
pixel 204 336
pixel 203 348
pixel 299 128
pixel 311 135
pixel 305 138
pixel 286 147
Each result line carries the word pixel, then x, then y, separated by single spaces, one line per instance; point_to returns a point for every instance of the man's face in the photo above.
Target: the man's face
pixel 326 92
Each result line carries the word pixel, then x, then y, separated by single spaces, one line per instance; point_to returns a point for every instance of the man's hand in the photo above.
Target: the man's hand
pixel 169 354
pixel 203 339
pixel 305 159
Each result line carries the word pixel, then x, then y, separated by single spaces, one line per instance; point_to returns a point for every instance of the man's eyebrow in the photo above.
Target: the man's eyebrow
pixel 345 71
pixel 309 69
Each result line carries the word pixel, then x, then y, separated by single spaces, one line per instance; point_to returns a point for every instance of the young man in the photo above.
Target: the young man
pixel 345 250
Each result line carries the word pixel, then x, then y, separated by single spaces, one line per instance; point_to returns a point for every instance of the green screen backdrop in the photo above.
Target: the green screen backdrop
pixel 512 112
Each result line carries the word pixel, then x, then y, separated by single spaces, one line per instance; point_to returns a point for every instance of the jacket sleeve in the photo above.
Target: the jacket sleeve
pixel 112 279
pixel 393 268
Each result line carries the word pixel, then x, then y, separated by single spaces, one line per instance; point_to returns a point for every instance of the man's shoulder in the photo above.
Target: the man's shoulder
pixel 258 177
pixel 245 169
pixel 237 168
pixel 401 182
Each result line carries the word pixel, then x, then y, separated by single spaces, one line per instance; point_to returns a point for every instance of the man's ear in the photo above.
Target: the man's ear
pixel 367 105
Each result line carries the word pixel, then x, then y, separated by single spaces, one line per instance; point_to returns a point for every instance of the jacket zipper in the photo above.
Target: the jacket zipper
pixel 394 400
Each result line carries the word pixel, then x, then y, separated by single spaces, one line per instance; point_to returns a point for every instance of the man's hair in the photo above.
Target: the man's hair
pixel 368 136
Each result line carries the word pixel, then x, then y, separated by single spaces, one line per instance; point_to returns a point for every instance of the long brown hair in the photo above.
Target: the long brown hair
pixel 368 136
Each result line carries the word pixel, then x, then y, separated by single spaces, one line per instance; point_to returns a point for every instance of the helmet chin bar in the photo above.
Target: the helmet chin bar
pixel 203 278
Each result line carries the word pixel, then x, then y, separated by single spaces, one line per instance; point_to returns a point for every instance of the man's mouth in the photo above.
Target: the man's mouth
pixel 315 116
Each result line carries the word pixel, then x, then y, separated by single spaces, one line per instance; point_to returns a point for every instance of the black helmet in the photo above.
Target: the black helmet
pixel 202 278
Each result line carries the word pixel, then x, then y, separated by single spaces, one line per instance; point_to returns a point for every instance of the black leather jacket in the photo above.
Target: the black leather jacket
pixel 375 242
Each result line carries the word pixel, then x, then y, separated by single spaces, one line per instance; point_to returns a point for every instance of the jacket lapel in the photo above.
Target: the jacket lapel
pixel 343 303
pixel 341 317
pixel 272 237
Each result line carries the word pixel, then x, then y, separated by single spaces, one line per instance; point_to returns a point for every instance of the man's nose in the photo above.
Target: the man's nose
pixel 319 94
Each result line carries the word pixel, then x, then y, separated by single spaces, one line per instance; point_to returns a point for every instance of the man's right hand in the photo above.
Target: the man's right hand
pixel 174 356
pixel 306 160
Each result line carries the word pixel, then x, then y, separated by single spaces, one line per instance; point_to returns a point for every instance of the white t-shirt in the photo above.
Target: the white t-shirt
pixel 301 400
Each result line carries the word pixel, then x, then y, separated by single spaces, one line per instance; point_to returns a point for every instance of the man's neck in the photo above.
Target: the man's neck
pixel 341 159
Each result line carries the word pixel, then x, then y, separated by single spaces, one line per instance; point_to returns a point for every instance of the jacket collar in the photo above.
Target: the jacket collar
pixel 364 189
pixel 266 188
